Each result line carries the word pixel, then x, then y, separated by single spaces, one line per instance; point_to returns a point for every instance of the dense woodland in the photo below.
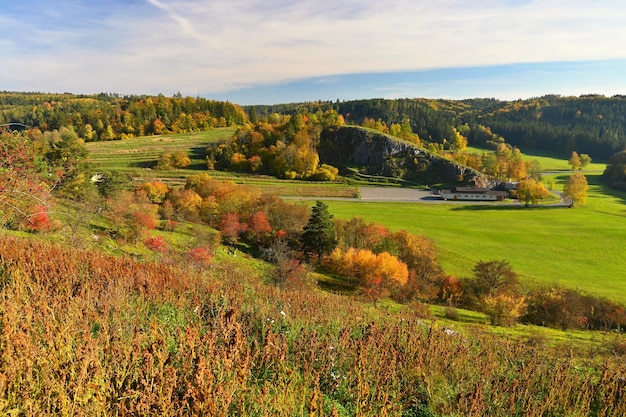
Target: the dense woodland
pixel 595 125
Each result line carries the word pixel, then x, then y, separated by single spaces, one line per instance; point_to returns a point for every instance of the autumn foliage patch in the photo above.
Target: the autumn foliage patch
pixel 85 333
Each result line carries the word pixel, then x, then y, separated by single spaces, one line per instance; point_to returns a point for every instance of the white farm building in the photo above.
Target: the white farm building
pixel 473 194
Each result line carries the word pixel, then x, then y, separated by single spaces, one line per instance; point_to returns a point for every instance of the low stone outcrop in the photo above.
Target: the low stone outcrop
pixel 378 154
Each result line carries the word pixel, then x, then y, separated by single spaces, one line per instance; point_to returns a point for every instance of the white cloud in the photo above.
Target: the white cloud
pixel 199 46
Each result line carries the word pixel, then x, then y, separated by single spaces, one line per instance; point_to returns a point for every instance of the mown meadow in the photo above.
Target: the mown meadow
pixel 137 154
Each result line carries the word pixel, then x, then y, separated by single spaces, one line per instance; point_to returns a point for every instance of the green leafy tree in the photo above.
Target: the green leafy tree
pixel 497 291
pixel 615 171
pixel 575 189
pixel 584 160
pixel 319 233
pixel 496 276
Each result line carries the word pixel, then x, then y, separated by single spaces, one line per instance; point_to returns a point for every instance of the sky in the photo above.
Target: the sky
pixel 279 51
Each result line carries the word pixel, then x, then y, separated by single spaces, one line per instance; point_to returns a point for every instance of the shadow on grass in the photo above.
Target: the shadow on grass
pixel 143 164
pixel 597 181
pixel 509 207
pixel 337 286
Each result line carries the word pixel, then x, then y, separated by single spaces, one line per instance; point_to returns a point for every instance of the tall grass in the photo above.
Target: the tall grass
pixel 86 334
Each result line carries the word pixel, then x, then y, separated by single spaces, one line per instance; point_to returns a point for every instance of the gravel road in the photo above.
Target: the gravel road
pixel 395 194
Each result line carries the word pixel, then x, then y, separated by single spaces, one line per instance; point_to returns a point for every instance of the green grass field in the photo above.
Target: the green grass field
pixel 549 161
pixel 581 247
pixel 140 154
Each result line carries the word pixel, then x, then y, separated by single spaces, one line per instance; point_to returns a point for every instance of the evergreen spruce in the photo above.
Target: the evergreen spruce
pixel 319 233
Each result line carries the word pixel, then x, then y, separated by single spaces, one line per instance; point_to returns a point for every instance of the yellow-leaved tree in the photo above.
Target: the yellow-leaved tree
pixel 575 189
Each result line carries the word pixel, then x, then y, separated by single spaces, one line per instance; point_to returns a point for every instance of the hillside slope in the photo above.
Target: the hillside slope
pixel 87 334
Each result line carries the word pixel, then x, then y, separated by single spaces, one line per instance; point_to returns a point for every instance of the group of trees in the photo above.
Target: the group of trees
pixel 284 146
pixel 615 172
pixel 592 124
pixel 506 163
pixel 578 161
pixel 111 116
pixel 32 165
pixel 495 290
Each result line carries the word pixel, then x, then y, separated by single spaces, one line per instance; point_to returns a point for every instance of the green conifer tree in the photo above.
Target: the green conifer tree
pixel 319 233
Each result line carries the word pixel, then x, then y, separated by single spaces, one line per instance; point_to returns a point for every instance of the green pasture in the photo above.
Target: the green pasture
pixel 141 154
pixel 581 247
pixel 549 161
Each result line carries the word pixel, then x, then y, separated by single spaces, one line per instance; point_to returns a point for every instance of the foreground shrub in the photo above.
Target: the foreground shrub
pixel 87 334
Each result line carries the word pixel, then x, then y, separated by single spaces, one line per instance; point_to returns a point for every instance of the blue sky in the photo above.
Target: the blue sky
pixel 276 51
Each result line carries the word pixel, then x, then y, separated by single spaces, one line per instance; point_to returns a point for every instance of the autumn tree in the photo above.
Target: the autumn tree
pixel 535 170
pixel 319 233
pixel 357 233
pixel 186 204
pixel 155 190
pixel 26 183
pixel 554 307
pixel 503 309
pixel 584 160
pixel 420 256
pixel 495 289
pixel 258 228
pixel 574 161
pixel 283 216
pixel 375 274
pixel 231 228
pixel 530 191
pixel 288 270
pixel 175 160
pixel 575 189
pixel 131 215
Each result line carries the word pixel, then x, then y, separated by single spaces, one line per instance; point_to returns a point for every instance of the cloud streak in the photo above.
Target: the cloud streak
pixel 184 23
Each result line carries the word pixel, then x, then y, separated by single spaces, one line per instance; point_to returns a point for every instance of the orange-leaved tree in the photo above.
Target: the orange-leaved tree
pixel 374 274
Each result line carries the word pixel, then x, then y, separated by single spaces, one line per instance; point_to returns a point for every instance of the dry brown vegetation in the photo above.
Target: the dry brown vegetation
pixel 82 333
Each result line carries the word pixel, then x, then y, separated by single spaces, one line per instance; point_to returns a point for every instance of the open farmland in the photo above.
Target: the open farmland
pixel 142 153
pixel 581 247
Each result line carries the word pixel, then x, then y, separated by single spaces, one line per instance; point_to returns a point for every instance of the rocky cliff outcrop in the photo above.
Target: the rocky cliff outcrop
pixel 379 154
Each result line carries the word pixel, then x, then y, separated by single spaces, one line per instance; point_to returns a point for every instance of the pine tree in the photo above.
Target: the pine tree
pixel 319 233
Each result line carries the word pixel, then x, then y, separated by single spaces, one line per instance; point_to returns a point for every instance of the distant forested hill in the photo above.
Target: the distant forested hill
pixel 111 116
pixel 595 125
pixel 590 124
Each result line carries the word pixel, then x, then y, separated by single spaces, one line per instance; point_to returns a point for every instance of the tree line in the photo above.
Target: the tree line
pixel 112 116
pixel 591 124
